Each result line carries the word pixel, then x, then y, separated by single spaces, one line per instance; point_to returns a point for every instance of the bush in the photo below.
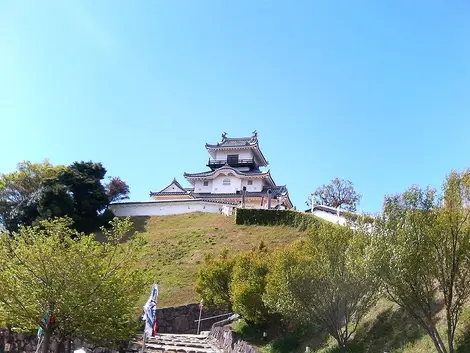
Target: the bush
pixel 301 221
pixel 213 282
pixel 248 286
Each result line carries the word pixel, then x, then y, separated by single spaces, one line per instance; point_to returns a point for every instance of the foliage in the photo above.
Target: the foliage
pixel 301 221
pixel 40 191
pixel 237 283
pixel 213 282
pixel 340 193
pixel 324 280
pixel 81 183
pixel 88 287
pixel 117 189
pixel 19 193
pixel 248 286
pixel 421 253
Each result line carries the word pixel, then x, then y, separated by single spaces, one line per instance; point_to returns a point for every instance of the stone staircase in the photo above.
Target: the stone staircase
pixel 180 343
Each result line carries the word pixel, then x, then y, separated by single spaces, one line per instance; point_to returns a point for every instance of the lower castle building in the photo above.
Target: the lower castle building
pixel 235 178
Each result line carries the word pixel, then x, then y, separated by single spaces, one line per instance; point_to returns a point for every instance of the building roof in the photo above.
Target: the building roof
pixel 330 209
pixel 277 191
pixel 174 188
pixel 239 143
pixel 226 168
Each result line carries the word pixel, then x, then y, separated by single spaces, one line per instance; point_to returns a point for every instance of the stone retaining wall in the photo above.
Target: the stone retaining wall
pixel 182 319
pixel 229 341
pixel 14 342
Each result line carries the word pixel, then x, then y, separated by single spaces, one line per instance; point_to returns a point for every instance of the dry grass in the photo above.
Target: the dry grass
pixel 179 244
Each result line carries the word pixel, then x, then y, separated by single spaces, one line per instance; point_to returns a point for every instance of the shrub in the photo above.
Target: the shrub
pixel 301 221
pixel 248 286
pixel 213 282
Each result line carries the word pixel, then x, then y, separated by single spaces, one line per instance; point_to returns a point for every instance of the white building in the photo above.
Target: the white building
pixel 330 214
pixel 235 179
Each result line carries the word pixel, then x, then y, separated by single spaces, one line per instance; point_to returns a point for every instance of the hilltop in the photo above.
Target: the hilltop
pixel 179 244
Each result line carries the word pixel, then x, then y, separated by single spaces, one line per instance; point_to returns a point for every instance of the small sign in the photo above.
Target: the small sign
pixel 7 347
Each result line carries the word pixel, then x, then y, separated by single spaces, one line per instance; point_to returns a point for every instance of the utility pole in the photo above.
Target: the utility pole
pixel 243 196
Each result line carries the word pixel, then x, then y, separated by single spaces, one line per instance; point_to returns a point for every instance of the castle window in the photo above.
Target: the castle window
pixel 206 183
pixel 226 182
pixel 250 182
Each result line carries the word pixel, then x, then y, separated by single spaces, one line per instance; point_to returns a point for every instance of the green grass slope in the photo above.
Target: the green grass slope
pixel 179 244
pixel 386 328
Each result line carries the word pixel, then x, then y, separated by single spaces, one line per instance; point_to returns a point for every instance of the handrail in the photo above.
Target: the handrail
pixel 213 317
pixel 234 161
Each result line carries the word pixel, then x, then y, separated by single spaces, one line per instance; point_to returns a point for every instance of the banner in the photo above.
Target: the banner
pixel 150 310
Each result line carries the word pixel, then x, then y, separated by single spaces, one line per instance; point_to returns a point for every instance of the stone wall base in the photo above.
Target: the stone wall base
pixel 229 341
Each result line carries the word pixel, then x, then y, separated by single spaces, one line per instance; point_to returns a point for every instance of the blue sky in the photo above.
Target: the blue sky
pixel 377 92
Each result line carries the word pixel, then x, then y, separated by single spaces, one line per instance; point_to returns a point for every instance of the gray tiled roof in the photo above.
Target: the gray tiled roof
pixel 235 142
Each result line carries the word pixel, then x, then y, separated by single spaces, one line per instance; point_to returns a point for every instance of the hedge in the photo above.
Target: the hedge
pixel 301 221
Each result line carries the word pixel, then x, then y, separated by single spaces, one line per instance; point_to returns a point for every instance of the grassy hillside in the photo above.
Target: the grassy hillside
pixel 386 328
pixel 180 242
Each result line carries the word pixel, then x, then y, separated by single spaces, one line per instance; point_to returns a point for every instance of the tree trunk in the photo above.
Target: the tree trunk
pixel 69 346
pixel 46 340
pixel 450 333
pixel 440 347
pixel 342 344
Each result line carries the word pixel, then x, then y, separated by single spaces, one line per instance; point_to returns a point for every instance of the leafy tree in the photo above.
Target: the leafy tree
pixel 117 189
pixel 324 280
pixel 19 192
pixel 340 193
pixel 248 286
pixel 421 253
pixel 89 288
pixel 213 282
pixel 83 183
pixel 41 191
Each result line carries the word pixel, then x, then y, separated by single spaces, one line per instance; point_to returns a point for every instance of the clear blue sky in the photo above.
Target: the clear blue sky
pixel 377 92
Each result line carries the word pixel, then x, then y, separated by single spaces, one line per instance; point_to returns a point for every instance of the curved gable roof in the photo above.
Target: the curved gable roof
pixel 174 188
pixel 227 168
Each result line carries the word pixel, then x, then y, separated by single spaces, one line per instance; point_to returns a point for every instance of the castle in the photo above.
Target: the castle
pixel 235 179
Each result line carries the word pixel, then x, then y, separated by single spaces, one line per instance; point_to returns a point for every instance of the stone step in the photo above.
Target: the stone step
pixel 187 349
pixel 181 343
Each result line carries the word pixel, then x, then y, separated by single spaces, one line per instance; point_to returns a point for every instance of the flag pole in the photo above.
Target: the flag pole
pixel 200 313
pixel 143 342
pixel 39 344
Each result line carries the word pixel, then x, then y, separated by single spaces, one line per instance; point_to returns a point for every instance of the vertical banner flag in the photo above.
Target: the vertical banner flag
pixel 150 311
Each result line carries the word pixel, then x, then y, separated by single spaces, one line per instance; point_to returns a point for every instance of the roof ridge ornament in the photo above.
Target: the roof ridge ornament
pixel 254 137
pixel 224 135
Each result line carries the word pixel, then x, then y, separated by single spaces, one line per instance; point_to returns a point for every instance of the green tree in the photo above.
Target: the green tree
pixel 89 288
pixel 324 280
pixel 248 286
pixel 339 193
pixel 213 282
pixel 41 191
pixel 117 189
pixel 83 182
pixel 19 193
pixel 421 253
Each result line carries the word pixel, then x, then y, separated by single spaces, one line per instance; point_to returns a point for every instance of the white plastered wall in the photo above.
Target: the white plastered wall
pixel 218 186
pixel 242 154
pixel 199 186
pixel 164 209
